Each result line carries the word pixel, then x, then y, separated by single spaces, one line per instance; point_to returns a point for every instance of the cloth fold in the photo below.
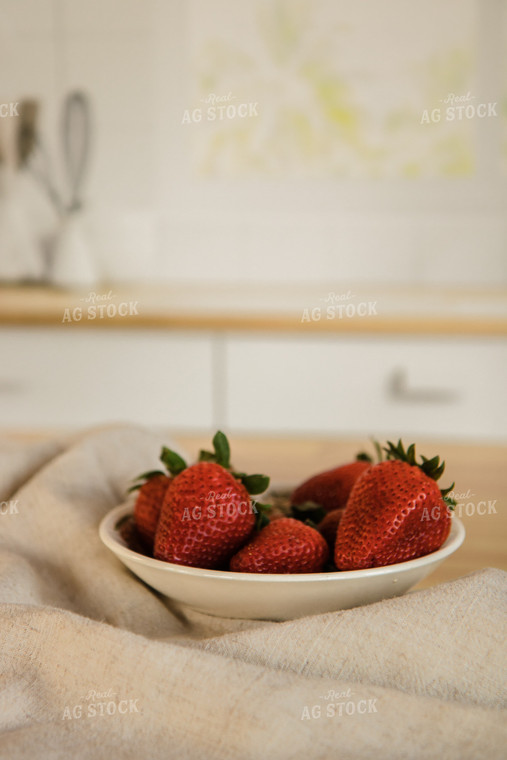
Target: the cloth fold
pixel 94 663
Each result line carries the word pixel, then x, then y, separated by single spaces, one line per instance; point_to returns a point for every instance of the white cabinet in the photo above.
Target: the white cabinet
pixel 73 376
pixel 366 385
pixel 334 385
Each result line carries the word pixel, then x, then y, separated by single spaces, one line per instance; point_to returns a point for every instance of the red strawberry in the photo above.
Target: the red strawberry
pixel 328 527
pixel 128 531
pixel 196 528
pixel 395 512
pixel 152 487
pixel 207 514
pixel 148 505
pixel 331 488
pixel 284 546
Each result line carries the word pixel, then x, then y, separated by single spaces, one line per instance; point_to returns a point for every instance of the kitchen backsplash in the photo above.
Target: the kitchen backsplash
pixel 280 140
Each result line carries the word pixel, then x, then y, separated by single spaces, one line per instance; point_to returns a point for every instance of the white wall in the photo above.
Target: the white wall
pixel 336 179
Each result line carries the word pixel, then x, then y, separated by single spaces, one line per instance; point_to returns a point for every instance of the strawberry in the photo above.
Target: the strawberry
pixel 395 512
pixel 328 526
pixel 330 489
pixel 152 487
pixel 128 531
pixel 284 546
pixel 148 505
pixel 207 514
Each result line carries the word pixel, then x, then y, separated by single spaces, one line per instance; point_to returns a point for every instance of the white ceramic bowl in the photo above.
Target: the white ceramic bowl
pixel 272 597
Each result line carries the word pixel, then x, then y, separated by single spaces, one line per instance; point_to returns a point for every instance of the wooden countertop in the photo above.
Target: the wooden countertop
pixel 312 308
pixel 477 470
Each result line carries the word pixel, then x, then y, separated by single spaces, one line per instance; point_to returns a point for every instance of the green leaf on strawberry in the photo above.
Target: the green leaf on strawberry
pixel 174 463
pixel 143 478
pixel 433 468
pixel 262 511
pixel 206 456
pixel 221 453
pixel 254 484
pixel 308 510
pixel 222 449
pixel 449 500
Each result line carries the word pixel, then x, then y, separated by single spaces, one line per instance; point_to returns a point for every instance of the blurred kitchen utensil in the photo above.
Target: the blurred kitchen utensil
pixel 20 252
pixel 76 132
pixel 39 167
pixel 76 144
pixel 72 263
pixel 27 130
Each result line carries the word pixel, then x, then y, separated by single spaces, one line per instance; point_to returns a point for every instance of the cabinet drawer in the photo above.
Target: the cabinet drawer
pixel 387 387
pixel 54 377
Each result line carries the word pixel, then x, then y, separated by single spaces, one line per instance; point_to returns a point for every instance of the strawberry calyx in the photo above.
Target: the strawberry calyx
pixel 221 455
pixel 433 467
pixel 254 484
pixel 144 478
pixel 308 512
pixel 174 465
pixel 262 515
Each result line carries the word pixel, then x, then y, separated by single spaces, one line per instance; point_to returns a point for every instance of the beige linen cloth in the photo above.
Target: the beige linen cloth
pixel 94 664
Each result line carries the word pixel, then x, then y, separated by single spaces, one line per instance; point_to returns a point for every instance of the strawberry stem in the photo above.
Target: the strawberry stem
pixel 378 449
pixel 363 456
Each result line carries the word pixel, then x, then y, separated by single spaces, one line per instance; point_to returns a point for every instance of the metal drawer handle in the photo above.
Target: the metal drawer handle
pixel 399 391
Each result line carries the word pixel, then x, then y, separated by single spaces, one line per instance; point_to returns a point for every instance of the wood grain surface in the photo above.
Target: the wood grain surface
pixel 262 308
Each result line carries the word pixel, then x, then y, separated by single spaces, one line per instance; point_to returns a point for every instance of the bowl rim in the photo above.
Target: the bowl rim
pixel 110 537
